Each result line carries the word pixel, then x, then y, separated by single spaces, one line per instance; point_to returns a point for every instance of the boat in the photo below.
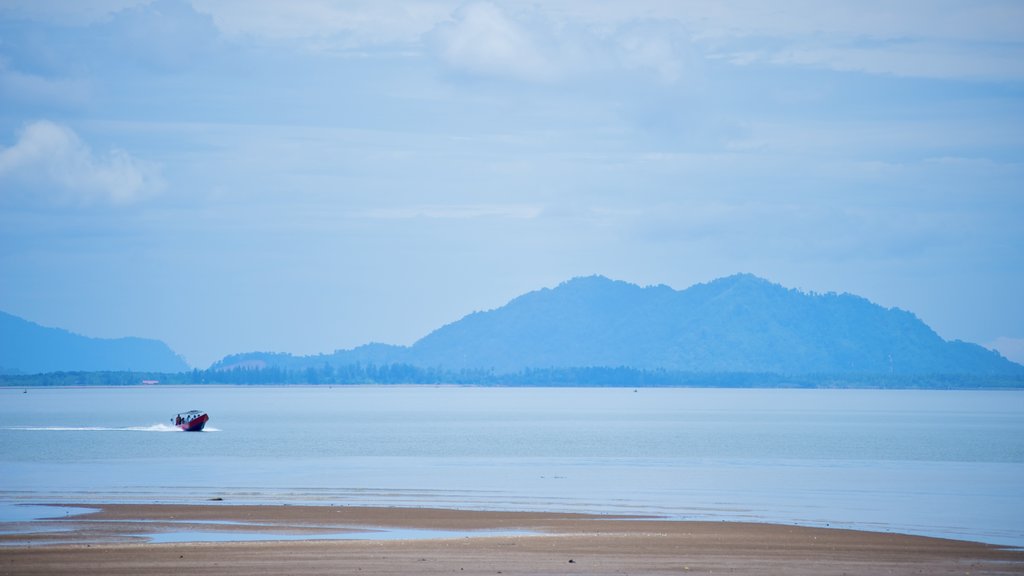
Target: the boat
pixel 191 421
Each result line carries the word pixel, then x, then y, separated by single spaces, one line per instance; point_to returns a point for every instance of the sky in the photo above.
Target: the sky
pixel 251 175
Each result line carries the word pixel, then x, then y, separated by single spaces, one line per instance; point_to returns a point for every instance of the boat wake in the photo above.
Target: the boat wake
pixel 152 428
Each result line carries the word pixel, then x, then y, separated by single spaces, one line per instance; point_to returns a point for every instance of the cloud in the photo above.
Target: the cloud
pixel 33 89
pixel 53 161
pixel 535 45
pixel 920 59
pixel 915 38
pixel 658 46
pixel 368 22
pixel 484 40
pixel 529 41
pixel 162 36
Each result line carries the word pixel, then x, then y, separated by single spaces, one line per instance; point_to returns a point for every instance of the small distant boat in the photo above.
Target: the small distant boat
pixel 191 421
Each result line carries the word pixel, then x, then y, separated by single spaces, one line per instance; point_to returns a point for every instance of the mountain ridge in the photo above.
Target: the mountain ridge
pixel 739 323
pixel 30 348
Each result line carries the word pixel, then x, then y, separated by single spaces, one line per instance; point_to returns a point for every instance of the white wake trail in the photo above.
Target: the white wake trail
pixel 150 428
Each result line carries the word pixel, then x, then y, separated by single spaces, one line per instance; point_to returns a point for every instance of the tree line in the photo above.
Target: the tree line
pixel 591 376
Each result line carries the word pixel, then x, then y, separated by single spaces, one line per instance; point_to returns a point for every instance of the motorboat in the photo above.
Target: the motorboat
pixel 191 421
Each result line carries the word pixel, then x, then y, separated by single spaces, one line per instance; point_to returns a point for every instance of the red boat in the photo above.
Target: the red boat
pixel 191 421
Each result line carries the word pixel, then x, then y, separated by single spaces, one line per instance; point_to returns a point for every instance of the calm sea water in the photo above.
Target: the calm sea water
pixel 946 463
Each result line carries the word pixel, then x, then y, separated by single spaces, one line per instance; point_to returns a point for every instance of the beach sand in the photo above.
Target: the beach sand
pixel 114 541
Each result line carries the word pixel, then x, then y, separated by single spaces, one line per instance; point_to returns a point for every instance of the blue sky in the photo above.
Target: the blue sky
pixel 304 176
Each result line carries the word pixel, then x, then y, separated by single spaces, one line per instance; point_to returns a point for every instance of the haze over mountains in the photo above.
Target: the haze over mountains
pixel 737 324
pixel 28 348
pixel 741 323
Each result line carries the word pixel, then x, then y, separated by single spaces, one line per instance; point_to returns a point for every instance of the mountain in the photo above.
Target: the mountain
pixel 27 347
pixel 737 324
pixel 741 323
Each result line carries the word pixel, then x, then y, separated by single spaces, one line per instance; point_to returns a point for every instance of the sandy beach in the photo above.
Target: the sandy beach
pixel 118 539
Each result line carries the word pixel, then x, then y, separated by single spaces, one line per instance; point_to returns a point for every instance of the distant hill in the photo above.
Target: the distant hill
pixel 741 323
pixel 28 348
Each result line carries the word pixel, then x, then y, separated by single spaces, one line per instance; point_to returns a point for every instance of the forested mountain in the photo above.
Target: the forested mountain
pixel 28 348
pixel 585 331
pixel 737 324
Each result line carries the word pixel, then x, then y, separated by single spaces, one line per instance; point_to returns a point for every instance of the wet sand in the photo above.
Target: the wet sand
pixel 116 540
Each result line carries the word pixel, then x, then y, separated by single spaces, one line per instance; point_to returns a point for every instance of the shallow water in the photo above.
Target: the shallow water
pixel 947 463
pixel 377 535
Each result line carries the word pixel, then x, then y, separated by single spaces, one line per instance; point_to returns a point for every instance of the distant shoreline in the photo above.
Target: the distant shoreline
pixel 582 377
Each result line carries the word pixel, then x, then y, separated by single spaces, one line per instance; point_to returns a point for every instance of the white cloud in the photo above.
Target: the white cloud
pixel 926 38
pixel 19 87
pixel 842 20
pixel 914 38
pixel 912 59
pixel 655 46
pixel 538 45
pixel 484 40
pixel 52 159
pixel 366 21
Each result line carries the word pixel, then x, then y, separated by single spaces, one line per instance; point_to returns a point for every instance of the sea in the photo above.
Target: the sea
pixel 929 462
